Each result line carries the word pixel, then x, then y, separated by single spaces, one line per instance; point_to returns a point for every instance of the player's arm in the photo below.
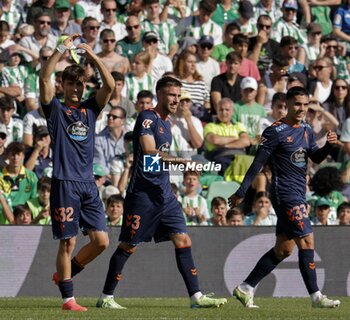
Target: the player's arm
pixel 47 91
pixel 104 93
pixel 320 154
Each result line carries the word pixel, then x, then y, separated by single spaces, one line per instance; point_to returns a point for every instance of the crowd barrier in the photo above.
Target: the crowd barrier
pixel 223 257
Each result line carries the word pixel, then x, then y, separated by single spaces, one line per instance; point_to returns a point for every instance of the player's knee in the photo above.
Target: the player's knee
pixel 182 241
pixel 283 253
pixel 67 245
pixel 127 247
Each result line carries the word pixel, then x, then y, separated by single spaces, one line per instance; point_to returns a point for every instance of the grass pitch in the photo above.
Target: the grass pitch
pixel 170 308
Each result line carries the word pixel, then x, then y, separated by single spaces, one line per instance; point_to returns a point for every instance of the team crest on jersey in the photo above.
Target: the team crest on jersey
pixel 161 130
pixel 298 158
pixel 165 147
pixel 290 139
pixel 78 131
pixel 147 123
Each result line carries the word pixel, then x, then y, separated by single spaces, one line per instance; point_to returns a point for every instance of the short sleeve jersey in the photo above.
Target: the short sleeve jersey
pixel 72 132
pixel 155 184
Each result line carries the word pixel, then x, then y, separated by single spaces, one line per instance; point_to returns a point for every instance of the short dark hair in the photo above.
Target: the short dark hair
pixel 115 198
pixel 232 26
pixel 167 82
pixel 278 96
pixel 21 208
pixel 208 5
pixel 191 173
pixel 234 212
pixel 280 61
pixel 234 56
pixel 106 31
pixel 216 201
pixel 44 184
pixel 144 94
pixel 263 16
pixel 118 76
pixel 240 38
pixel 7 102
pixel 287 41
pixel 15 147
pixel 296 91
pixel 344 205
pixel 148 2
pixel 73 73
pixel 42 14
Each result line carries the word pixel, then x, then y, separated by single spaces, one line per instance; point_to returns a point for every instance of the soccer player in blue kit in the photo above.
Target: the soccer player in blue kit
pixel 151 210
pixel 287 144
pixel 74 199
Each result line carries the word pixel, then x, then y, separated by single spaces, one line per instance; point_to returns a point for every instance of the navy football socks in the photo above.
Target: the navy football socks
pixel 187 269
pixel 308 269
pixel 265 265
pixel 116 265
pixel 66 288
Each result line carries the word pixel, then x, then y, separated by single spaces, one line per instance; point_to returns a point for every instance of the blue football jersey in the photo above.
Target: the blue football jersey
pixel 72 132
pixel 287 149
pixel 147 176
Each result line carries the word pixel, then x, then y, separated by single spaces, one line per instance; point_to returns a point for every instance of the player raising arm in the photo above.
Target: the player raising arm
pixel 287 144
pixel 74 199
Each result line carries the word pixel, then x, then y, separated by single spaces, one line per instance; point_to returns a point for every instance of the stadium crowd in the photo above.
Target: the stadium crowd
pixel 235 60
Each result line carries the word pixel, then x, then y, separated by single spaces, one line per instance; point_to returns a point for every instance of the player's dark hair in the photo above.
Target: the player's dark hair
pixel 73 73
pixel 118 76
pixel 344 205
pixel 240 39
pixel 234 212
pixel 21 208
pixel 144 94
pixel 217 201
pixel 115 198
pixel 326 180
pixel 278 96
pixel 167 82
pixel 44 184
pixel 15 147
pixel 296 91
pixel 234 57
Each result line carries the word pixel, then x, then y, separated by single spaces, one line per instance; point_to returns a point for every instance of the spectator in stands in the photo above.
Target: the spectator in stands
pixel 246 19
pixel 160 63
pixel 296 79
pixel 17 182
pixel 278 111
pixel 14 125
pixel 343 214
pixel 267 8
pixel 112 60
pixel 207 66
pixel 40 205
pixel 235 217
pixel 321 88
pixel 100 173
pixel 139 78
pixel 227 85
pixel 202 24
pixel 22 214
pixel 109 11
pixel 194 205
pixel 90 28
pixel 341 24
pixel 92 8
pixel 131 44
pixel 61 23
pixel 31 121
pixel 224 139
pixel 218 211
pixel 309 52
pixel 261 47
pixel 322 211
pixel 40 7
pixel 39 158
pixel 286 25
pixel 129 158
pixel 263 213
pixel 5 40
pixel 288 50
pixel 174 11
pixel 13 12
pixel 167 43
pixel 273 82
pixel 225 12
pixel 114 210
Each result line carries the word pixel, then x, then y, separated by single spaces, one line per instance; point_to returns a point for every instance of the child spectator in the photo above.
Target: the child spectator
pixel 263 213
pixel 219 211
pixel 343 214
pixel 235 217
pixel 194 205
pixel 22 214
pixel 322 211
pixel 40 205
pixel 114 210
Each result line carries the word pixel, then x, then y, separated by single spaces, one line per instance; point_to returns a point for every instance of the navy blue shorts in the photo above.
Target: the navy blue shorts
pixel 292 219
pixel 144 219
pixel 75 205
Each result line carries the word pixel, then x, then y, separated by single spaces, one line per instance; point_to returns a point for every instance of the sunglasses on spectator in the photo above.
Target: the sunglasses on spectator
pixel 332 47
pixel 94 27
pixel 319 68
pixel 3 136
pixel 293 47
pixel 340 87
pixel 129 28
pixel 207 46
pixel 108 40
pixel 113 116
pixel 264 26
pixel 44 22
pixel 44 58
pixel 111 10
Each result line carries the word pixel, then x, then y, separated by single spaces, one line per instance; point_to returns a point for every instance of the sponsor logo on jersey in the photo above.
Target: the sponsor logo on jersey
pixel 298 158
pixel 78 131
pixel 147 123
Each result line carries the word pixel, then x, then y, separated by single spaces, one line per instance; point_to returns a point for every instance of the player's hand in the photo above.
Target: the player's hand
pixel 70 40
pixel 88 51
pixel 332 137
pixel 234 201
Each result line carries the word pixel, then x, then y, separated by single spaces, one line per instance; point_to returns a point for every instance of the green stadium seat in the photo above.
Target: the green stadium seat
pixel 221 189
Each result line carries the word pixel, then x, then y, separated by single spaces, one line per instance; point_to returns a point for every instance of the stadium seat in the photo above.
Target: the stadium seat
pixel 221 189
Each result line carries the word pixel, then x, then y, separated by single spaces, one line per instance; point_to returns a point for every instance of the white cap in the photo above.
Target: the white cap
pixel 249 83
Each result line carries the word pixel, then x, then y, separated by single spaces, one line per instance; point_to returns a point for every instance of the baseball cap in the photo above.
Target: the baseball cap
pixel 62 4
pixel 41 131
pixel 185 95
pixel 314 27
pixel 99 170
pixel 323 201
pixel 249 83
pixel 3 129
pixel 246 9
pixel 290 4
pixel 149 35
pixel 206 39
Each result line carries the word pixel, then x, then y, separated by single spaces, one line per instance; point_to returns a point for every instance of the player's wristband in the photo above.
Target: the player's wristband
pixel 61 48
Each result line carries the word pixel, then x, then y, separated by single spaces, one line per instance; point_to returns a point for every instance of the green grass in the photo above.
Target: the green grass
pixel 170 308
